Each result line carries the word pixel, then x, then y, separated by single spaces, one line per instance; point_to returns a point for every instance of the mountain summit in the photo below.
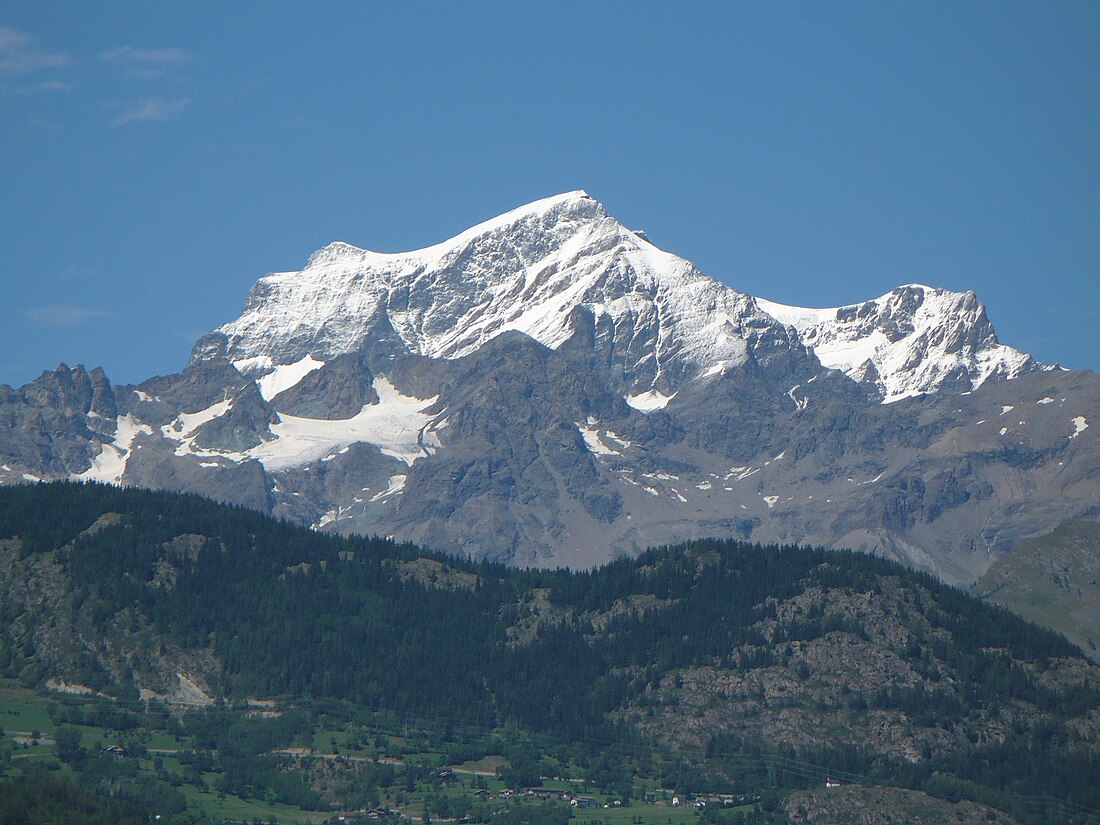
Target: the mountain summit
pixel 549 387
pixel 660 320
pixel 531 270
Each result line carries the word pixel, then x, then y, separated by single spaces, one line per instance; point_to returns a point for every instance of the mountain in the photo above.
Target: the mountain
pixel 712 664
pixel 912 341
pixel 547 270
pixel 550 388
pixel 657 320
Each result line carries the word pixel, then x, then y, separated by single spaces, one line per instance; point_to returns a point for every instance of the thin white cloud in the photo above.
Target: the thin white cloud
pixel 66 315
pixel 146 64
pixel 32 88
pixel 51 86
pixel 132 54
pixel 22 54
pixel 152 109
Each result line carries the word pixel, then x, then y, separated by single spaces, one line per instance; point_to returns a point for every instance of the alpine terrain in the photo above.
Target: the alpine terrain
pixel 550 388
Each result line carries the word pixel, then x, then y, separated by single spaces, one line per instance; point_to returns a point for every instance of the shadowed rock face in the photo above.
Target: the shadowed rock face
pixel 338 391
pixel 550 388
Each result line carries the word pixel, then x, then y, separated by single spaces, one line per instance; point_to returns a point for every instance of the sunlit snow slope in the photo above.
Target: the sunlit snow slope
pixel 913 340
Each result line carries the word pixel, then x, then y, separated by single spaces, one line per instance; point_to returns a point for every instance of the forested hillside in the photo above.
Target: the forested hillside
pixel 696 666
pixel 1053 580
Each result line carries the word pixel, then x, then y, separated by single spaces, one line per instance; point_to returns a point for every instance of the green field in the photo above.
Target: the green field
pixel 22 710
pixel 161 754
pixel 650 814
pixel 234 809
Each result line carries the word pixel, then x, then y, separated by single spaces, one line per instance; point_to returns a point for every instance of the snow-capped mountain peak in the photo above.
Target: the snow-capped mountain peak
pixel 527 270
pixel 661 321
pixel 543 211
pixel 913 340
pixel 550 387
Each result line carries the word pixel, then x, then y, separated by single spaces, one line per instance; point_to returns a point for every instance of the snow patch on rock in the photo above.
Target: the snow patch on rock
pixel 648 401
pixel 591 435
pixel 286 376
pixel 394 485
pixel 109 464
pixel 185 426
pixel 397 425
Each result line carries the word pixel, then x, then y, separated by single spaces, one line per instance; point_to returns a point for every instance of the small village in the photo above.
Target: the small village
pixel 563 792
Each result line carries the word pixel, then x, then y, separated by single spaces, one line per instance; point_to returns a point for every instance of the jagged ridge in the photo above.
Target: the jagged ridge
pixel 665 322
pixel 913 340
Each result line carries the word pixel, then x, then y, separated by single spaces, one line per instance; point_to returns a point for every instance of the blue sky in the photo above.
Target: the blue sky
pixel 158 158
